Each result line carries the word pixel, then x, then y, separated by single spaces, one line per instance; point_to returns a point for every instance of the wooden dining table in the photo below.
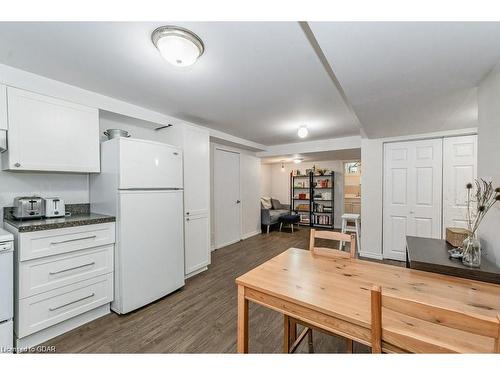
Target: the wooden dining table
pixel 333 294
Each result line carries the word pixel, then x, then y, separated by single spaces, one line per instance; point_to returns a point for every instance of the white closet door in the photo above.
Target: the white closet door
pixel 412 193
pixel 227 198
pixel 459 168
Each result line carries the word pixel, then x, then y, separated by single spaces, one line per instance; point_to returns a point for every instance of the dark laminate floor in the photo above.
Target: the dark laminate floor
pixel 201 317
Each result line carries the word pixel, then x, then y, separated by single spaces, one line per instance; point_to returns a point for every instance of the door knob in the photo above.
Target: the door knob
pixel 187 213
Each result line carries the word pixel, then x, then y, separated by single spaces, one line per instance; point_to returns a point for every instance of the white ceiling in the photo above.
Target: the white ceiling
pixel 347 154
pixel 262 80
pixel 258 81
pixel 412 77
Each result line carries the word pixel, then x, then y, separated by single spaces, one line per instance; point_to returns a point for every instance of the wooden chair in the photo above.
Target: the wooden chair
pixel 389 337
pixel 335 236
pixel 291 341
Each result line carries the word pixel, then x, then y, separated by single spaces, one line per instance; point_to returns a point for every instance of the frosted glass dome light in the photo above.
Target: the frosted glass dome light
pixel 179 46
pixel 303 132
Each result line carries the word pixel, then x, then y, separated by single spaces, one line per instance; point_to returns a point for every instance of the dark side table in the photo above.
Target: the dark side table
pixel 431 255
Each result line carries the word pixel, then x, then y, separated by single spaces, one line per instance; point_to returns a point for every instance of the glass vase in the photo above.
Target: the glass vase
pixel 471 255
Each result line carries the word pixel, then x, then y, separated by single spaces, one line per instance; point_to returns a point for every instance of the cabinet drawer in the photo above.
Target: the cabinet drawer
pixel 44 243
pixel 44 274
pixel 46 309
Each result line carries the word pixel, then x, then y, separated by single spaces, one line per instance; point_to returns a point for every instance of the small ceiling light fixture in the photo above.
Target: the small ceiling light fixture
pixel 297 160
pixel 179 46
pixel 303 132
pixel 282 166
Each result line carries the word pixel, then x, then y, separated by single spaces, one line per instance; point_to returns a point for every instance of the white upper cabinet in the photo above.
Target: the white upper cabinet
pixel 48 134
pixel 196 171
pixel 3 107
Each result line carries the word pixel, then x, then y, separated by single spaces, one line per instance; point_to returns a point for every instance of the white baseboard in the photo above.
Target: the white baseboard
pixel 367 254
pixel 226 244
pixel 251 234
pixel 195 272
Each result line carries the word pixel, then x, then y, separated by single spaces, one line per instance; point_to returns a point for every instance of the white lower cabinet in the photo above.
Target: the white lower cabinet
pixel 44 274
pixel 46 309
pixel 196 239
pixel 63 278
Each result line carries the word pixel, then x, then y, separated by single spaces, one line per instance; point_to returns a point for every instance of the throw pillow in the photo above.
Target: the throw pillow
pixel 276 204
pixel 266 202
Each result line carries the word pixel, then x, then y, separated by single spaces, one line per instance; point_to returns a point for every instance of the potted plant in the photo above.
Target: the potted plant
pixel 479 203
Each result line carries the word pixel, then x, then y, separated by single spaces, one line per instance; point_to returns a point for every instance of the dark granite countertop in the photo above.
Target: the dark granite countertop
pixel 80 215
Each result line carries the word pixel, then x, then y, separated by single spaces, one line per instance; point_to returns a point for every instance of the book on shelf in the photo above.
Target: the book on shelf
pixel 322 220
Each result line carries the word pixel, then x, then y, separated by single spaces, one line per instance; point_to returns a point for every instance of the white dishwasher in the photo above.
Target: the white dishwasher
pixel 6 291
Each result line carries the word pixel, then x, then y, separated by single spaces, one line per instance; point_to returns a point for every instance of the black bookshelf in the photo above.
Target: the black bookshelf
pixel 317 196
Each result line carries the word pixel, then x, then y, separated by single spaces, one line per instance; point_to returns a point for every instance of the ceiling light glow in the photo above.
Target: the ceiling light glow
pixel 303 132
pixel 297 161
pixel 179 46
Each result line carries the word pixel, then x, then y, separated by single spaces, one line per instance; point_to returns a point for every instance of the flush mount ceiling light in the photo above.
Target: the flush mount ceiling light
pixel 303 132
pixel 179 46
pixel 298 160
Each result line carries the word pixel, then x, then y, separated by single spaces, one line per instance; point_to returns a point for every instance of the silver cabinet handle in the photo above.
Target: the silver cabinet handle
pixel 17 165
pixel 70 303
pixel 73 240
pixel 72 268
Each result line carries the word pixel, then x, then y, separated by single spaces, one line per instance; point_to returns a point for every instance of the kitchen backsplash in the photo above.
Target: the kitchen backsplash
pixel 73 188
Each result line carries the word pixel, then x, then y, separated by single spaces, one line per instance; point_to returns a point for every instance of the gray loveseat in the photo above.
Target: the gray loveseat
pixel 270 216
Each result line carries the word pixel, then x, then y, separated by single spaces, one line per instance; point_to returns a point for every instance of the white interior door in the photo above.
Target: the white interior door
pixel 227 197
pixel 412 193
pixel 459 168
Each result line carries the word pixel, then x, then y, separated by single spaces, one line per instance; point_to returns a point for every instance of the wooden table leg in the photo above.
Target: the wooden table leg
pixel 286 334
pixel 242 344
pixel 349 346
pixel 293 330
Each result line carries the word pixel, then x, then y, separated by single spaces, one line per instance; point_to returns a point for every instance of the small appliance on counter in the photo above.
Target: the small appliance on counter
pixel 28 208
pixel 54 207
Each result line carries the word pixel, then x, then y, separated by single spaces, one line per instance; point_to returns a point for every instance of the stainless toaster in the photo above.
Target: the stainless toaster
pixel 28 207
pixel 54 207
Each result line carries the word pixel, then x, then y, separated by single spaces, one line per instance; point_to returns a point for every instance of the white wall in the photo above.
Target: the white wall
pixel 371 197
pixel 250 170
pixel 265 180
pixel 250 188
pixel 280 183
pixel 489 156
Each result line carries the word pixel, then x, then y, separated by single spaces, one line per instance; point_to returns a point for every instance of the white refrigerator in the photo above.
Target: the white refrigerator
pixel 141 184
